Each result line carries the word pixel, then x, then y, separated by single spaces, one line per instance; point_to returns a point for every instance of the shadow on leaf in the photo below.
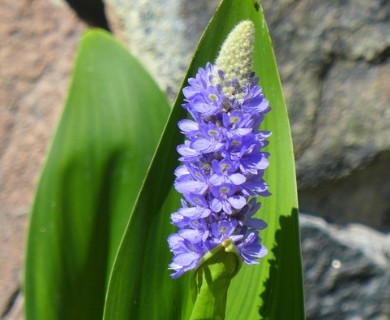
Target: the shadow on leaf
pixel 282 284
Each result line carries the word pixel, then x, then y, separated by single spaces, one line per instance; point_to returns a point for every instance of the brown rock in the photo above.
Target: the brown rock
pixel 38 42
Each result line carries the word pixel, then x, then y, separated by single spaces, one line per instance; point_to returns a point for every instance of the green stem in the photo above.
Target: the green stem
pixel 211 282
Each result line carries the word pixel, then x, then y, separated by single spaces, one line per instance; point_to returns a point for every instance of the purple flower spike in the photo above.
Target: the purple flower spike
pixel 222 165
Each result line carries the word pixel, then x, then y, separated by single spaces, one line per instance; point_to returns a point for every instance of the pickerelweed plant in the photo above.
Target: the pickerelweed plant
pixel 112 190
pixel 223 161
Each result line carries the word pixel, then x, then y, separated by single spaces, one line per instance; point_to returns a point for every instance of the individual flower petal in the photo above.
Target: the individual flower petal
pixel 188 127
pixel 190 186
pixel 195 212
pixel 256 224
pixel 187 153
pixel 181 171
pixel 237 178
pixel 251 249
pixel 192 235
pixel 203 145
pixel 184 262
pixel 237 202
pixel 223 229
pixel 255 186
pixel 216 205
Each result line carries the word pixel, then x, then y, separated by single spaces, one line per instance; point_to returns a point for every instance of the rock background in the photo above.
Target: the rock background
pixel 348 277
pixel 333 58
pixel 38 44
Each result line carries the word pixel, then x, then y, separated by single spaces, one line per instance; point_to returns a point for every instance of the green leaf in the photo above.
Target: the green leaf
pixel 212 280
pixel 108 132
pixel 140 287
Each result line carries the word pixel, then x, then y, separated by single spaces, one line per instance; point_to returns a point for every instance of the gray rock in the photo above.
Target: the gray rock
pixel 162 34
pixel 363 196
pixel 346 271
pixel 332 59
pixel 334 66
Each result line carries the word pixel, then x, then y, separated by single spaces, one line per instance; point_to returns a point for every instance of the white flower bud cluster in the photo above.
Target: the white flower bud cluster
pixel 236 57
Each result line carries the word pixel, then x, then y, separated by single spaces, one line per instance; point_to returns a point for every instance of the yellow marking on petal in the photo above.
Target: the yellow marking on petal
pixel 212 96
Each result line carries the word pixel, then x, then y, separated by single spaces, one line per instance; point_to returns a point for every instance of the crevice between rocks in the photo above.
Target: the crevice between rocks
pixel 91 11
pixel 320 76
pixel 382 56
pixel 10 303
pixel 363 196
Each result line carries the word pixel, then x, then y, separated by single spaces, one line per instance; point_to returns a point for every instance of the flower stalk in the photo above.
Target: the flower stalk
pixel 212 280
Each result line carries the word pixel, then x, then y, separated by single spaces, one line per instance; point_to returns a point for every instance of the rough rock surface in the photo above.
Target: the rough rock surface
pixel 333 60
pixel 346 270
pixel 162 34
pixel 363 196
pixel 334 64
pixel 38 44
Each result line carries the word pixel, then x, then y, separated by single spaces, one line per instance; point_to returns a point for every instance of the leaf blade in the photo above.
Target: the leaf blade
pixel 91 177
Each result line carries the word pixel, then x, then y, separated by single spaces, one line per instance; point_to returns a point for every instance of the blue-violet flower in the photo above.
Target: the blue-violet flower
pixel 222 159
